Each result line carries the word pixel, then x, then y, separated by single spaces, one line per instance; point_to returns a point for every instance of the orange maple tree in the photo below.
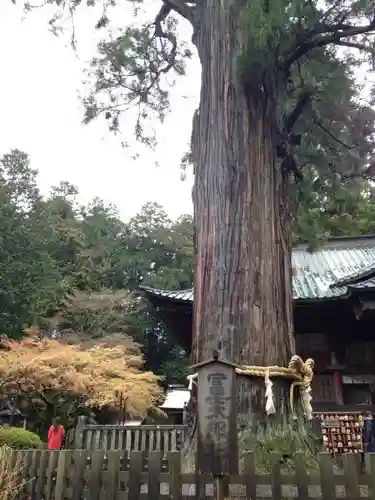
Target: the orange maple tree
pixel 52 372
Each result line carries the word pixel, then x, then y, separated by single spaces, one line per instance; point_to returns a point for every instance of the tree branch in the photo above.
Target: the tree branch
pixel 160 33
pixel 320 125
pixel 302 102
pixel 339 31
pixel 168 6
pixel 349 148
pixel 353 45
pixel 330 10
pixel 181 7
pixel 340 175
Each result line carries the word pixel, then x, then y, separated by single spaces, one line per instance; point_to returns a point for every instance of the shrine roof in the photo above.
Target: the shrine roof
pixel 340 266
pixel 176 398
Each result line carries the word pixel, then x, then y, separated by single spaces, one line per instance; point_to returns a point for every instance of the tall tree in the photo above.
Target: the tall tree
pixel 267 69
pixel 30 281
pixel 332 207
pixel 160 250
pixel 69 268
pixel 65 235
pixel 105 246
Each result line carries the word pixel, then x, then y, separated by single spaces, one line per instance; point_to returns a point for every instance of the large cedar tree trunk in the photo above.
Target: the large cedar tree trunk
pixel 243 296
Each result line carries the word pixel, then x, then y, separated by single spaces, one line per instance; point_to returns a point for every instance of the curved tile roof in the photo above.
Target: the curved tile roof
pixel 326 273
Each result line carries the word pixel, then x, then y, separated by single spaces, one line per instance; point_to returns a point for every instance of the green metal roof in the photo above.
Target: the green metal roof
pixel 342 264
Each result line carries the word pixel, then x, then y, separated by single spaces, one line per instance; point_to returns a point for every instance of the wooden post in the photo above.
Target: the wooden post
pixel 78 433
pixel 185 415
pixel 217 446
pixel 336 371
pixel 337 384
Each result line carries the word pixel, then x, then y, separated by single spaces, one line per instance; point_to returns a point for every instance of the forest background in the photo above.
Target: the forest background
pixel 66 268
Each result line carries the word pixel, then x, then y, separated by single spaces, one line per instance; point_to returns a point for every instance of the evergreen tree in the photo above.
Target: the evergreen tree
pixel 68 269
pixel 268 73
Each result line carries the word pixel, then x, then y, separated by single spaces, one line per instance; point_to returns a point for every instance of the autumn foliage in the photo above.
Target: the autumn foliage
pixel 51 373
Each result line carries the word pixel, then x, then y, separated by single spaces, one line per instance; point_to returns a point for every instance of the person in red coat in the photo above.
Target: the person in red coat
pixel 56 435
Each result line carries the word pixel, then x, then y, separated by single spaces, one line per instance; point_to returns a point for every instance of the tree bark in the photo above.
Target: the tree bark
pixel 243 294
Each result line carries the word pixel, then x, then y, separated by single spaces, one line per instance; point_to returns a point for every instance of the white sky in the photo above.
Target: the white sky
pixel 40 113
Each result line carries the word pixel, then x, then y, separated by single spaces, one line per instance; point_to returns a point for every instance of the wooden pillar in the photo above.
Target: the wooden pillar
pixel 185 415
pixel 337 383
pixel 78 434
pixel 336 370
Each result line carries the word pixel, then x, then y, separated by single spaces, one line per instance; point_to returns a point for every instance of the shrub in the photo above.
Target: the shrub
pixel 19 439
pixel 11 474
pixel 281 439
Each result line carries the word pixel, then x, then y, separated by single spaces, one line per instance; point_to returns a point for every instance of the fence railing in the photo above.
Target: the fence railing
pixel 99 475
pixel 147 438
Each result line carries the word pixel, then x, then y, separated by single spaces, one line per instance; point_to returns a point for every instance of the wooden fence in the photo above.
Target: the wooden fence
pixel 148 438
pixel 115 475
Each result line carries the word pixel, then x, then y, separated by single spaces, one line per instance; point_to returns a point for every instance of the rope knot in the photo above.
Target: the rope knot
pixel 305 371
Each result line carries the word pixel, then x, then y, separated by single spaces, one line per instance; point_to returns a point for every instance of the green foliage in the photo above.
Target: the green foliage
pixel 105 246
pixel 163 354
pixel 303 55
pixel 318 96
pixel 276 440
pixel 29 278
pixel 332 208
pixel 95 315
pixel 161 250
pixel 286 58
pixel 76 270
pixel 261 27
pixel 138 61
pixel 281 439
pixel 296 52
pixel 175 367
pixel 19 439
pixel 70 269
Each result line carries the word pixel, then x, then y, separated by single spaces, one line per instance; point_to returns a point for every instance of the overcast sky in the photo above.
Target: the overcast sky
pixel 41 115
